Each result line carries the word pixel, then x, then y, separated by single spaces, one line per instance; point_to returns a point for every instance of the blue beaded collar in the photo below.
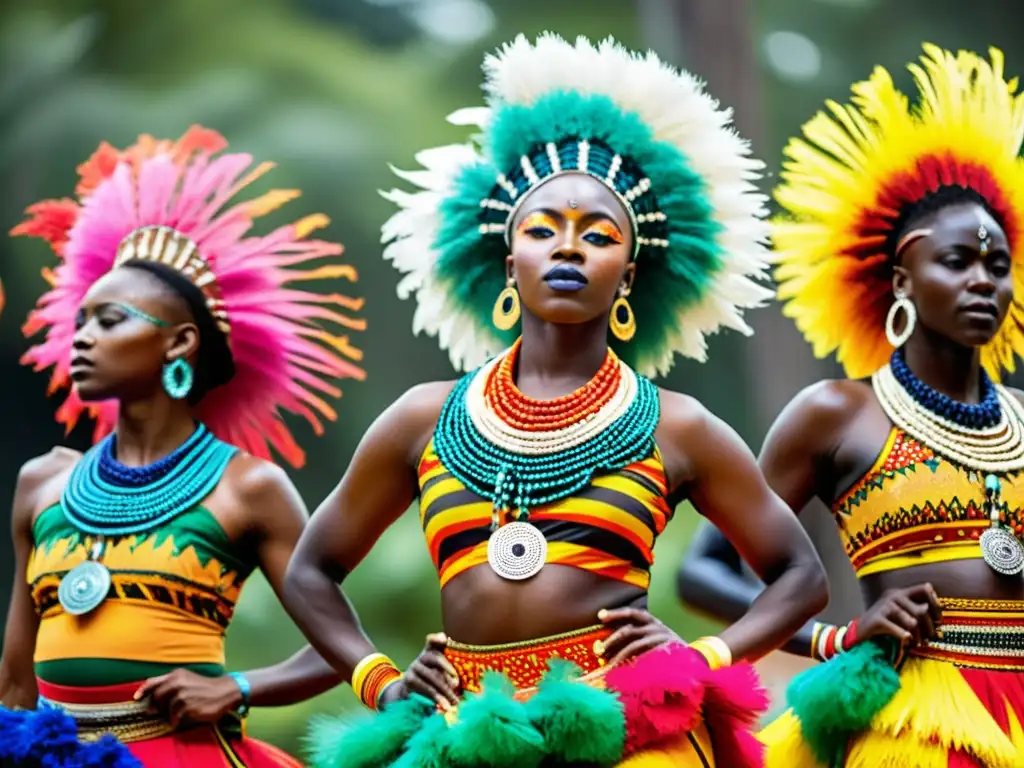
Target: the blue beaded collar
pixel 974 416
pixel 104 497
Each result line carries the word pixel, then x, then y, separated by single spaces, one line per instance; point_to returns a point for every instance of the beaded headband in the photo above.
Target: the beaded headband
pixel 166 245
pixel 620 175
pixel 848 178
pixel 650 134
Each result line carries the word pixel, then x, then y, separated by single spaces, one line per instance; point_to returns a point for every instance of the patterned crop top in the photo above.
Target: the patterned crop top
pixel 172 597
pixel 608 528
pixel 914 507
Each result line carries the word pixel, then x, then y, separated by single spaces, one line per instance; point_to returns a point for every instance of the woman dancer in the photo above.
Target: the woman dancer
pixel 901 243
pixel 177 330
pixel 545 476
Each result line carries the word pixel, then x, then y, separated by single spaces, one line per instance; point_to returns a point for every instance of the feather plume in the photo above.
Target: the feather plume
pixel 286 360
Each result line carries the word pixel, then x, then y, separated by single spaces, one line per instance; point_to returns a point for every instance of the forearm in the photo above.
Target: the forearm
pixel 714 588
pixel 779 616
pixel 296 679
pixel 326 618
pixel 17 691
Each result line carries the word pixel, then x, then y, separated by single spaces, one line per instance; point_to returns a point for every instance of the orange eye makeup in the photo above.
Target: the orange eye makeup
pixel 535 220
pixel 606 229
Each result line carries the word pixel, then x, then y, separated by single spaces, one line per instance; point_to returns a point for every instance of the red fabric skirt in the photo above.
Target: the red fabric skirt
pixel 206 746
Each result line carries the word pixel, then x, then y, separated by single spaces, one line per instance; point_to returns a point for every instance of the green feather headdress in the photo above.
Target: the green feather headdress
pixel 647 131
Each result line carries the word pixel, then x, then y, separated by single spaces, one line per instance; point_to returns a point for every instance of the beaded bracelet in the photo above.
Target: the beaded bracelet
pixel 371 676
pixel 828 640
pixel 714 650
pixel 243 685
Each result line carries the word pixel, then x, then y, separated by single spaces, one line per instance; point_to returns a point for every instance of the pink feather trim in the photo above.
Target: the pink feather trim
pixel 287 356
pixel 668 691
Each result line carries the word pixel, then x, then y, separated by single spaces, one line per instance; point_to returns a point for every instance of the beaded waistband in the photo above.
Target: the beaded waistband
pixel 524 663
pixel 128 721
pixel 982 634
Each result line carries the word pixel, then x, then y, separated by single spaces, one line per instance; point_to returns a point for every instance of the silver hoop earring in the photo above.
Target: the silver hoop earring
pixel 898 339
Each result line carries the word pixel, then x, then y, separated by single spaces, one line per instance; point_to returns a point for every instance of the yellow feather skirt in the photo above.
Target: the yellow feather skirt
pixel 944 716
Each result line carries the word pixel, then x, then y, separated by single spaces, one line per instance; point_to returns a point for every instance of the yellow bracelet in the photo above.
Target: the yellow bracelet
pixel 714 650
pixel 371 675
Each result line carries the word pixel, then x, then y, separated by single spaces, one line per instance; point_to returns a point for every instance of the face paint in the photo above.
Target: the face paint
pixel 535 220
pixel 605 229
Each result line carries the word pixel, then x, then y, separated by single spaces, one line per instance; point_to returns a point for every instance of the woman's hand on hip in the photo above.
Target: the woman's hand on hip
pixel 430 675
pixel 911 615
pixel 636 631
pixel 184 696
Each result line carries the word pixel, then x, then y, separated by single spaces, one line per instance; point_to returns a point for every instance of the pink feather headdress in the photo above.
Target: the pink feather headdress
pixel 284 359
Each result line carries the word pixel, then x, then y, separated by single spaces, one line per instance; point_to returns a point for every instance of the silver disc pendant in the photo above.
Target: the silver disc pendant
pixel 1002 551
pixel 83 588
pixel 517 551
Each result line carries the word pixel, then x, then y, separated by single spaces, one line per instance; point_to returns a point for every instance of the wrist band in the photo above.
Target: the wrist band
pixel 828 640
pixel 815 637
pixel 371 676
pixel 243 685
pixel 714 650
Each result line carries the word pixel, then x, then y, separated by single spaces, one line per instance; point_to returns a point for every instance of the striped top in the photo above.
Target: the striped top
pixel 608 528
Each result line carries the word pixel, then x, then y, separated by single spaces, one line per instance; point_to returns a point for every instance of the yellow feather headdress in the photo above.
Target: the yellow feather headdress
pixel 860 164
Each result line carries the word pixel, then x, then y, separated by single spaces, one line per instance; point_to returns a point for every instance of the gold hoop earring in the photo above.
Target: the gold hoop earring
pixel 506 308
pixel 621 320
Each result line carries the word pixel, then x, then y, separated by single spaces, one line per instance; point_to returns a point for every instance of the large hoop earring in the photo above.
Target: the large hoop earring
pixel 506 308
pixel 177 378
pixel 898 339
pixel 621 320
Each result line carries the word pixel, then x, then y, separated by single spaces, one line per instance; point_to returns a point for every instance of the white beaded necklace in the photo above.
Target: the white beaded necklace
pixel 998 449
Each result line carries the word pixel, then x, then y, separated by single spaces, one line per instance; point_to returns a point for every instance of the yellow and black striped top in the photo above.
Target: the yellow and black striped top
pixel 608 528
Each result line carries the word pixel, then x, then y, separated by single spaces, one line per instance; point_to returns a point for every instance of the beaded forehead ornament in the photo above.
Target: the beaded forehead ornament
pixel 847 180
pixel 645 130
pixel 168 202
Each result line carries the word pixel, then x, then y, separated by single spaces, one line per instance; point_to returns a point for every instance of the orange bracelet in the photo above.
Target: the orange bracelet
pixel 371 676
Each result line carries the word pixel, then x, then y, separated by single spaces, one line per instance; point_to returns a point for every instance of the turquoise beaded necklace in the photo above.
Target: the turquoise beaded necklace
pixel 514 481
pixel 106 498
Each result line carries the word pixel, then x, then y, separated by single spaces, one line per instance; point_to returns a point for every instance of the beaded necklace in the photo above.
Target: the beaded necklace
pixel 521 453
pixel 105 498
pixel 967 435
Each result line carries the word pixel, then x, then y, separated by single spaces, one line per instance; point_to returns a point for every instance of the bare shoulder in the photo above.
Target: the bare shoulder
pixel 422 403
pixel 252 480
pixel 410 421
pixel 682 417
pixel 828 405
pixel 41 481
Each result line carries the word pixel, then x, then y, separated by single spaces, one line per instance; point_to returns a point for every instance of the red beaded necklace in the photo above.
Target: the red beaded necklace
pixel 518 411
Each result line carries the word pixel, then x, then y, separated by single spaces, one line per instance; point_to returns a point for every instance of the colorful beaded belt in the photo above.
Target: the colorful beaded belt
pixel 982 634
pixel 525 663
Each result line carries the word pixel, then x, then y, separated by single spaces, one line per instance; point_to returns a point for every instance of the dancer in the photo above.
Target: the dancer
pixel 178 331
pixel 544 477
pixel 900 242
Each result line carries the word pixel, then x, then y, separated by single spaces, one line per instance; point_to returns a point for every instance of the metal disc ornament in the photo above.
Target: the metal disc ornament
pixel 1002 551
pixel 83 588
pixel 517 551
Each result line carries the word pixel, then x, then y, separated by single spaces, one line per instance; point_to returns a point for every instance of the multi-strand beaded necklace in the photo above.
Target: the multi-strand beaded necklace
pixel 521 453
pixel 107 499
pixel 986 437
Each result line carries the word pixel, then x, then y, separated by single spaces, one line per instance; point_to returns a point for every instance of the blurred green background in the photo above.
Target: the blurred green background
pixel 333 90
